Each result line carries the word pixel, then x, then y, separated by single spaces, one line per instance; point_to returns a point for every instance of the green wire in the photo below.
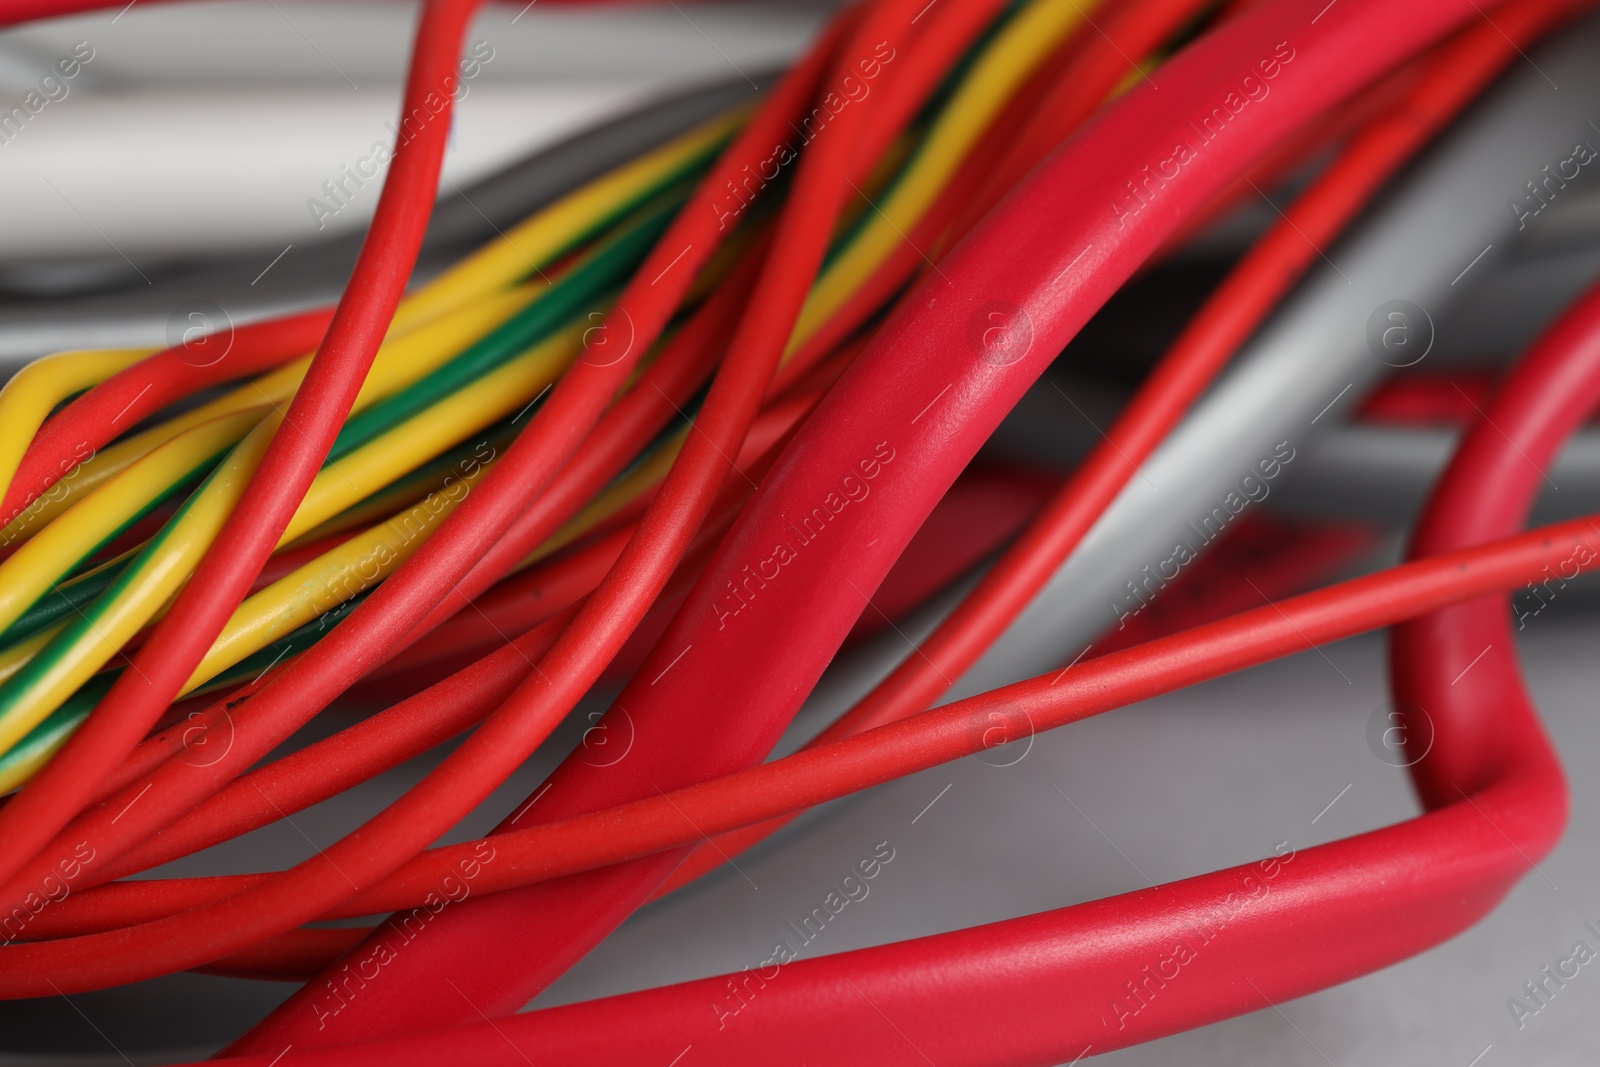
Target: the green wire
pixel 597 274
pixel 600 272
pixel 61 723
pixel 66 597
pixel 638 222
pixel 642 221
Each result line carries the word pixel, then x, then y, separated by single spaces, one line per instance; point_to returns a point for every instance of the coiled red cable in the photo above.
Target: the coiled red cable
pixel 1103 975
pixel 933 396
pixel 1520 757
pixel 1265 931
pixel 1229 316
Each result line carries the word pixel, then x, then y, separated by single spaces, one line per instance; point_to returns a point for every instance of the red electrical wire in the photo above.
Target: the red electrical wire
pixel 304 946
pixel 1086 74
pixel 287 697
pixel 1227 319
pixel 406 824
pixel 1324 135
pixel 983 511
pixel 292 956
pixel 758 662
pixel 1046 985
pixel 803 232
pixel 1487 731
pixel 1424 399
pixel 141 693
pixel 115 405
pixel 627 831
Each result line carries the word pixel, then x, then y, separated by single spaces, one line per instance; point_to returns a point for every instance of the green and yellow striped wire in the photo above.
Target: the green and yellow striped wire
pixel 474 346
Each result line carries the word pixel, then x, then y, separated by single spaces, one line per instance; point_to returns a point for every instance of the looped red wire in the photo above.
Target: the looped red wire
pixel 1038 990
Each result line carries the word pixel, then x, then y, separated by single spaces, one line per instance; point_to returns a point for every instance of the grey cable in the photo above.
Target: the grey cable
pixel 1299 373
pixel 1384 474
pixel 237 289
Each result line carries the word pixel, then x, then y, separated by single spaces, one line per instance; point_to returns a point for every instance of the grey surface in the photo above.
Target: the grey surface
pixel 224 117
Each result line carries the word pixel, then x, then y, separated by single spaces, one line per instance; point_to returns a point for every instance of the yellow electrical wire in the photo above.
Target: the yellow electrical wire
pixel 327 580
pixel 555 229
pixel 14 774
pixel 1016 52
pixel 35 390
pixel 360 562
pixel 139 595
pixel 14 657
pixel 140 591
pixel 35 568
pixel 454 297
pixel 355 565
pixel 442 425
pixel 348 569
pixel 401 361
pixel 651 471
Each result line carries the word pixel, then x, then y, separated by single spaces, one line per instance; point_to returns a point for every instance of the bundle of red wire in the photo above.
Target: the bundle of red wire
pixel 904 402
